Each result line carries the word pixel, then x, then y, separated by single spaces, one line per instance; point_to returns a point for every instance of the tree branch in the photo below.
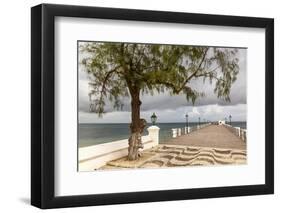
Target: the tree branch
pixel 103 89
pixel 199 66
pixel 210 73
pixel 170 85
pixel 194 73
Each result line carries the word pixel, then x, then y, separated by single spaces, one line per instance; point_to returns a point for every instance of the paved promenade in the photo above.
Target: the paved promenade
pixel 211 136
pixel 211 145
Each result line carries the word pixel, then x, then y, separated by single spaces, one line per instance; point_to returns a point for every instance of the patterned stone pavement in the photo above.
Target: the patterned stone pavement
pixel 177 155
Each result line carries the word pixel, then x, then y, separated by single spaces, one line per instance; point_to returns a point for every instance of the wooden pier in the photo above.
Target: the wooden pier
pixel 214 136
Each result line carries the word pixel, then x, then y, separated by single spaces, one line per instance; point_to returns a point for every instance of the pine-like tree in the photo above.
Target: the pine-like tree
pixel 121 70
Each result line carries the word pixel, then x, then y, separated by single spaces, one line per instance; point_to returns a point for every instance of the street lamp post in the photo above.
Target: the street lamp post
pixel 230 119
pixel 199 121
pixel 186 120
pixel 153 118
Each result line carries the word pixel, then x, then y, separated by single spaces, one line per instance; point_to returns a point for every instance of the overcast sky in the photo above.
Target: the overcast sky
pixel 173 108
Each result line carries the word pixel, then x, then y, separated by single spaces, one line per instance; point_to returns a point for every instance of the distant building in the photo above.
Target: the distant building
pixel 221 122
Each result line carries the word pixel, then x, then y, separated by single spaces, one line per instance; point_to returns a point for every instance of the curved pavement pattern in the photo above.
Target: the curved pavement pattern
pixel 176 156
pixel 173 156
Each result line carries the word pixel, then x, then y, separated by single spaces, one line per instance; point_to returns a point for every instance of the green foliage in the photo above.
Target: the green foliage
pixel 121 69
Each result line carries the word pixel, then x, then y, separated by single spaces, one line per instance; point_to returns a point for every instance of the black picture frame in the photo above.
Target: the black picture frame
pixel 43 102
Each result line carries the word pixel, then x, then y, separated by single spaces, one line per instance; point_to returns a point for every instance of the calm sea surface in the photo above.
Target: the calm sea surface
pixel 92 134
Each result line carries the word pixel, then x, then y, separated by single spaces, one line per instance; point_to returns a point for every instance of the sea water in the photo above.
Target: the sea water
pixel 93 134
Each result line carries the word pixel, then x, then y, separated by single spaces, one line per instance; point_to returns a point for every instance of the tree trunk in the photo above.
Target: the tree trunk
pixel 137 126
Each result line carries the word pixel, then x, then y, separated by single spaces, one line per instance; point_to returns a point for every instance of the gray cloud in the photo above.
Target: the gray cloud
pixel 209 112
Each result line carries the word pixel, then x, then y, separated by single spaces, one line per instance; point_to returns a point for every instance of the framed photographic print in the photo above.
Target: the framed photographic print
pixel 140 106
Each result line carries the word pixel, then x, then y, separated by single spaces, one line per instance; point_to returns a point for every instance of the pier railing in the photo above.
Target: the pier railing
pixel 176 132
pixel 241 133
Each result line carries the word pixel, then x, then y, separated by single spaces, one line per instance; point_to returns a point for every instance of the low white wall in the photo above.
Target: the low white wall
pixel 96 156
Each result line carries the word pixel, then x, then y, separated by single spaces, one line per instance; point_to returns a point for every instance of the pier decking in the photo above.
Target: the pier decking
pixel 215 136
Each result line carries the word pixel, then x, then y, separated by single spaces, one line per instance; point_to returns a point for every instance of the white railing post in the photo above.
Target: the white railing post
pixel 185 130
pixel 179 131
pixel 174 133
pixel 245 136
pixel 153 133
pixel 188 130
pixel 238 131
